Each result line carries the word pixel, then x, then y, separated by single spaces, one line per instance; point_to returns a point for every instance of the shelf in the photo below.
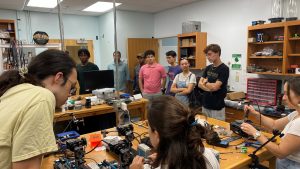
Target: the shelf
pixel 294 55
pixel 267 26
pixel 291 74
pixel 294 38
pixel 268 42
pixel 267 73
pixel 187 46
pixel 266 57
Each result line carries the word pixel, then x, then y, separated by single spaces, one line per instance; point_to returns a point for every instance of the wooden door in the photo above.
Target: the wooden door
pixel 140 45
pixel 72 47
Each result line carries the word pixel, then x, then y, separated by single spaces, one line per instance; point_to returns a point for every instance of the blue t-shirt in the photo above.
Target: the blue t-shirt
pixel 173 71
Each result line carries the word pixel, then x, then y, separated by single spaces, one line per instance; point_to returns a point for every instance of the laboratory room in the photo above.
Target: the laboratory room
pixel 140 84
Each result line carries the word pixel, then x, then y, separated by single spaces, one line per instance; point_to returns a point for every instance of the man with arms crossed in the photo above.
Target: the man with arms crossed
pixel 214 83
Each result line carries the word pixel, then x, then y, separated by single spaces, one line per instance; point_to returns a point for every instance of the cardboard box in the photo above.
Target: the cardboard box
pixel 185 42
pixel 235 95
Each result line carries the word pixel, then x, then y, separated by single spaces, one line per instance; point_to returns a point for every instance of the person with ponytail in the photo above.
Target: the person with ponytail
pixel 288 150
pixel 176 138
pixel 28 98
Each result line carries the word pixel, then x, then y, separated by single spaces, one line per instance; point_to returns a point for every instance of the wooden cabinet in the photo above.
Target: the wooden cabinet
pixel 191 46
pixel 7 30
pixel 282 38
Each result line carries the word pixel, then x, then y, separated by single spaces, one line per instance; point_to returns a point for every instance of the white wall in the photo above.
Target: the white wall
pixel 75 26
pixel 225 22
pixel 129 25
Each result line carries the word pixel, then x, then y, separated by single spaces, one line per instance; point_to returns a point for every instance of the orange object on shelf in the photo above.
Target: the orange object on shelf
pixel 95 140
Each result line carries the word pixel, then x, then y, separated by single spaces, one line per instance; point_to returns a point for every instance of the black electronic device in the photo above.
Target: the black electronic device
pixel 127 131
pixel 97 80
pixel 123 150
pixel 77 146
pixel 235 127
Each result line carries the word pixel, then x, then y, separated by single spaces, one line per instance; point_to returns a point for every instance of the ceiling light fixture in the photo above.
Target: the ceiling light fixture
pixel 43 3
pixel 100 7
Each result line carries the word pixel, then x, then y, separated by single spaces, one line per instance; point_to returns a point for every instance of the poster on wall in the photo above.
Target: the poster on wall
pixel 236 62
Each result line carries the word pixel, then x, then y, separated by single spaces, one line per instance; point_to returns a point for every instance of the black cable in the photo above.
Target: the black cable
pixel 139 141
pixel 138 124
pixel 65 114
pixel 70 122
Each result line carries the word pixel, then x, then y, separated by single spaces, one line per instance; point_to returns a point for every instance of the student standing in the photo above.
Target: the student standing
pixel 173 70
pixel 152 77
pixel 141 61
pixel 84 66
pixel 214 83
pixel 123 73
pixel 184 83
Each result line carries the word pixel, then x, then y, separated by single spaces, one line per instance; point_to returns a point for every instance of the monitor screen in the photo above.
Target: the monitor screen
pixel 98 80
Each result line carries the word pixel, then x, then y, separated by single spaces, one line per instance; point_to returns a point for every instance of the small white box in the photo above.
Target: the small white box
pixel 297 70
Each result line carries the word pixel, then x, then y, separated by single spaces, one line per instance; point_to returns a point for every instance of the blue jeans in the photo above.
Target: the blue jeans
pixel 287 164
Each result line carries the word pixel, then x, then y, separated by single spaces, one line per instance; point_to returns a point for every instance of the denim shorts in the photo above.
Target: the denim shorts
pixel 287 164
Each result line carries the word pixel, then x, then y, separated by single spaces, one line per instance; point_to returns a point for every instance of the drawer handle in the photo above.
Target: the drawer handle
pixel 230 113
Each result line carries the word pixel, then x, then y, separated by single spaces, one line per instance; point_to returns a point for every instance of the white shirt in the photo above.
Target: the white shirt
pixel 293 127
pixel 210 159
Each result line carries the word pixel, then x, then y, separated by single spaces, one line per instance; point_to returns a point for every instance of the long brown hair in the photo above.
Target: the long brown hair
pixel 180 144
pixel 47 63
pixel 294 85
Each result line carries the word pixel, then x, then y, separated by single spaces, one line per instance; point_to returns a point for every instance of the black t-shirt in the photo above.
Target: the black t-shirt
pixel 86 68
pixel 215 100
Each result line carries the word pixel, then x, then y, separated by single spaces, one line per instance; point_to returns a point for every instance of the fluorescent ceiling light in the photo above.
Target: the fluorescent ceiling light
pixel 43 3
pixel 100 6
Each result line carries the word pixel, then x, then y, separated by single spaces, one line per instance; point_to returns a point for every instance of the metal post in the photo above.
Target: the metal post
pixel 116 49
pixel 61 26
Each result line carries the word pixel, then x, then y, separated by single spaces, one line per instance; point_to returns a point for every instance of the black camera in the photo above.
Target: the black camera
pixel 122 149
pixel 127 131
pixel 77 147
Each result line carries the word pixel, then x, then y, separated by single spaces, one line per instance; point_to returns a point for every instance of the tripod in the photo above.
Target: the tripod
pixel 255 161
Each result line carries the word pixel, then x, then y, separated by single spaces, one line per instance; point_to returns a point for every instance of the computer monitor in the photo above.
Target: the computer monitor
pixel 98 79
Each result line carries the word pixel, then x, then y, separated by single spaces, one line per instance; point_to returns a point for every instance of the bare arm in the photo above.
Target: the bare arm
pixel 266 121
pixel 174 88
pixel 188 90
pixel 163 83
pixel 32 163
pixel 213 86
pixel 141 84
pixel 202 85
pixel 282 150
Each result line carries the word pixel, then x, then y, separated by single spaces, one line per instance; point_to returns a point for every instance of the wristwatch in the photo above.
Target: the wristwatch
pixel 257 134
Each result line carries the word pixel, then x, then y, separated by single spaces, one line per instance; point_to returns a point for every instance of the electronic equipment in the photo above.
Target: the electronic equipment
pixel 123 150
pixel 212 138
pixel 255 161
pixel 98 80
pixel 236 127
pixel 127 131
pixel 108 165
pixel 77 146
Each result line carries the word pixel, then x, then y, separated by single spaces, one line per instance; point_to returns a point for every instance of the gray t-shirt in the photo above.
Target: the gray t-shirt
pixel 293 127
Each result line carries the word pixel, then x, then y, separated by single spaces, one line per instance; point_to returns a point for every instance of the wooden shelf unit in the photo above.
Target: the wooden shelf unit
pixel 290 47
pixel 8 26
pixel 193 44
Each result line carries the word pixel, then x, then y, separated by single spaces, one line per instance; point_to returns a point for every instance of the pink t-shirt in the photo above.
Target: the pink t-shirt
pixel 152 75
